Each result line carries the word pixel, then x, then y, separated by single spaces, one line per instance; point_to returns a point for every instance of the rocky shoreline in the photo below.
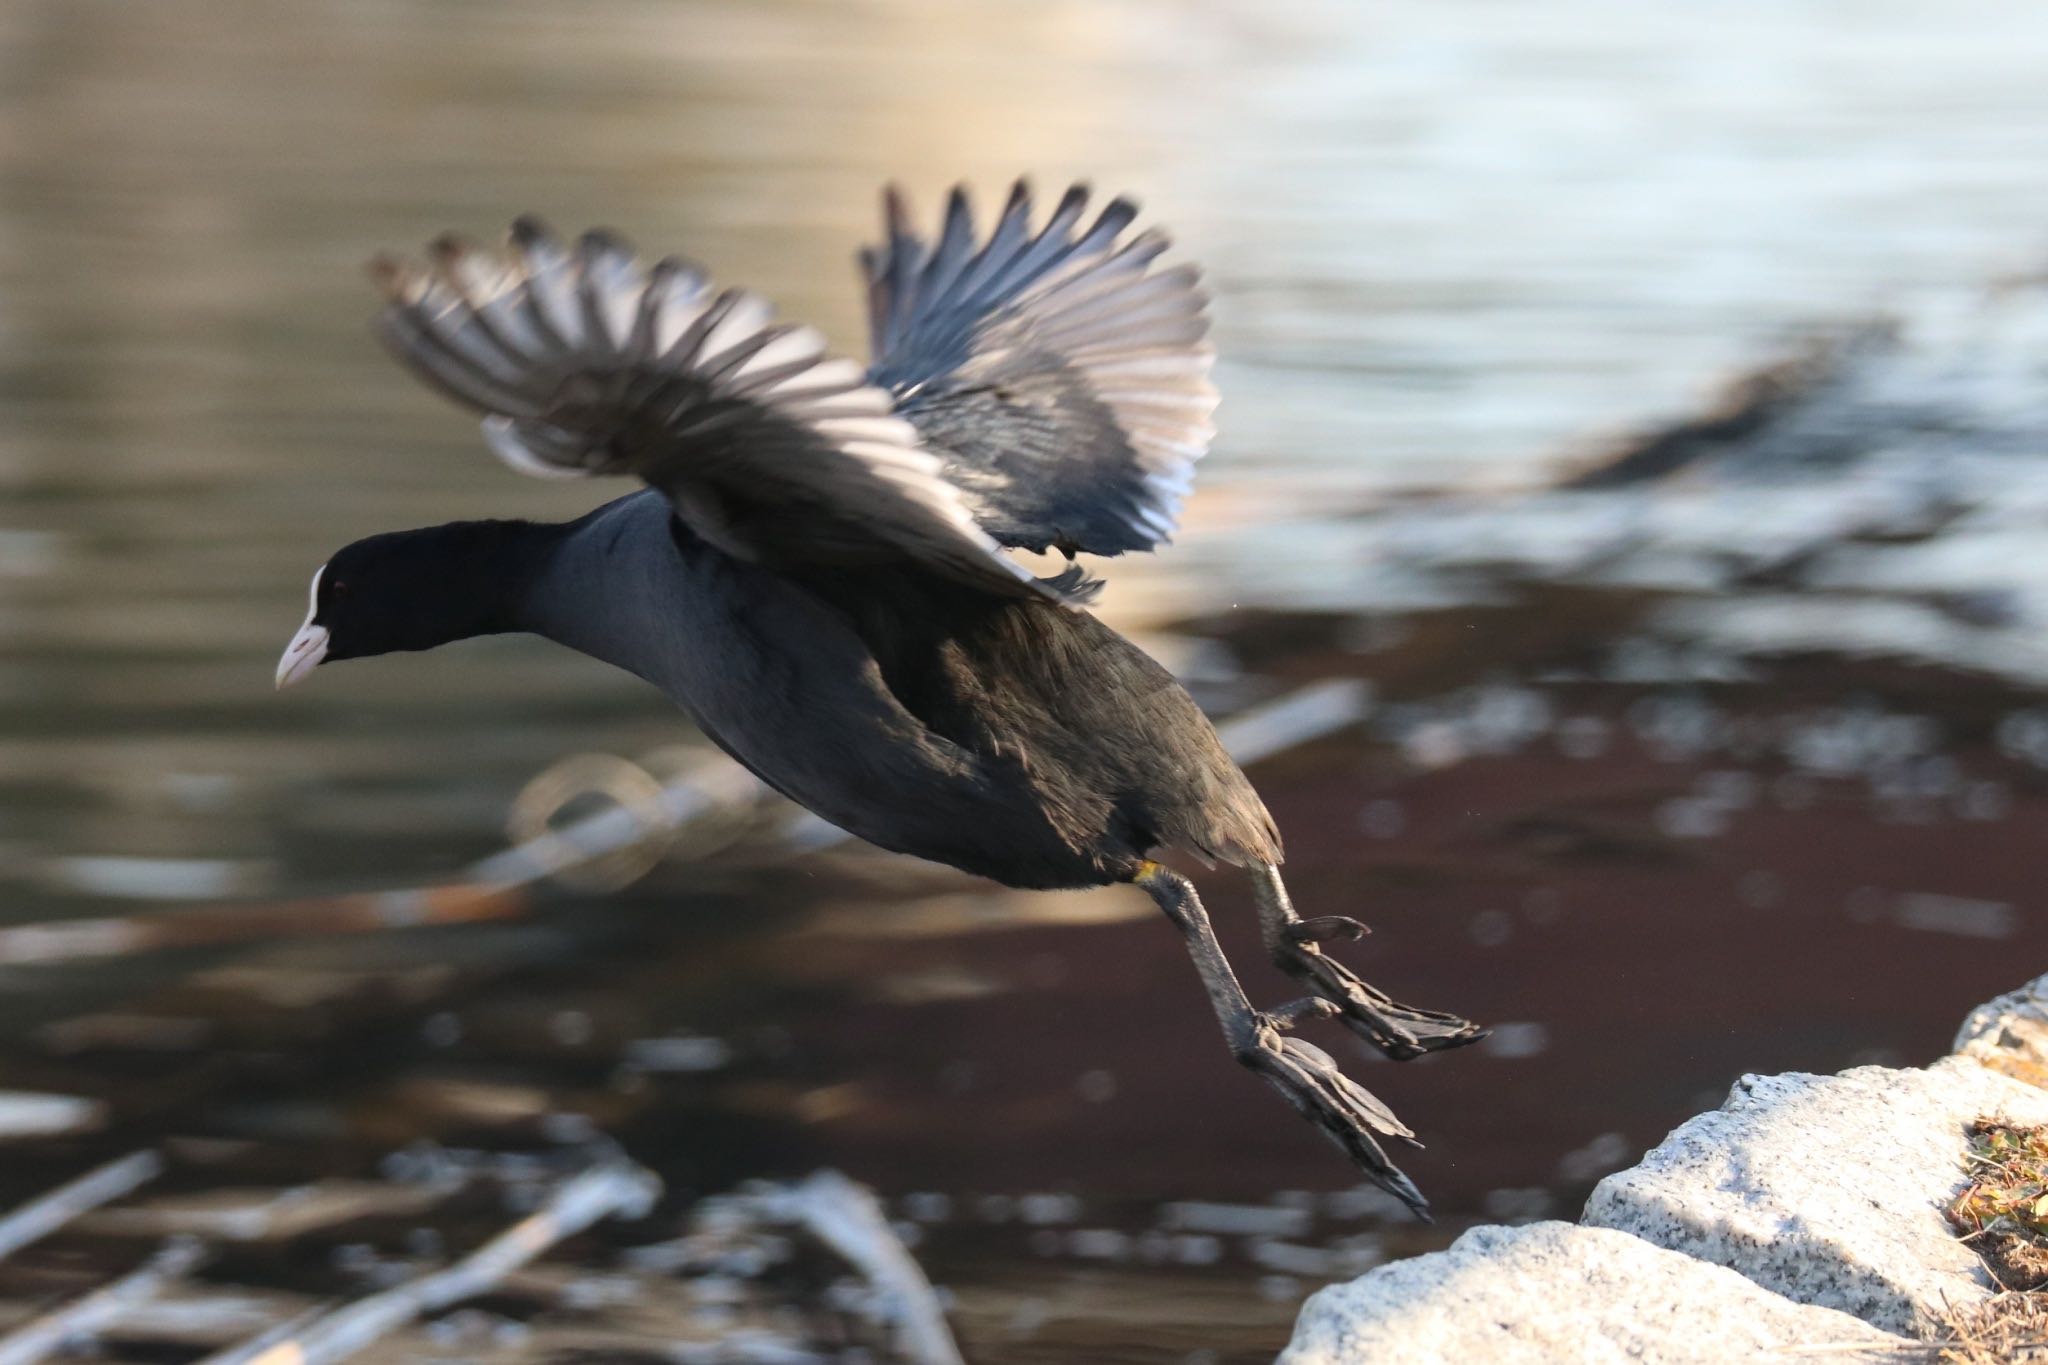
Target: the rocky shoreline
pixel 1804 1217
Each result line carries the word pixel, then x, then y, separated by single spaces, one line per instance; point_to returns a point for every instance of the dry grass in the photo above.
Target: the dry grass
pixel 2007 1328
pixel 2003 1211
pixel 2003 1214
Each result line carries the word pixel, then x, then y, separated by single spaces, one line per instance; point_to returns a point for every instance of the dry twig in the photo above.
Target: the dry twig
pixel 44 1215
pixel 51 1333
pixel 616 1187
pixel 847 1218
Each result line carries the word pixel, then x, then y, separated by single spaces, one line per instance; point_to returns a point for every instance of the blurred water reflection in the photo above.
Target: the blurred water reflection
pixel 1451 243
pixel 1446 239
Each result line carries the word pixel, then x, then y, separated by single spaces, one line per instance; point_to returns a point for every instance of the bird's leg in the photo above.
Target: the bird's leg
pixel 1303 1074
pixel 1296 947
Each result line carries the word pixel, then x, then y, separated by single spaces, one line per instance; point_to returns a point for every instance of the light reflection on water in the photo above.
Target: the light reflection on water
pixel 1451 243
pixel 1447 240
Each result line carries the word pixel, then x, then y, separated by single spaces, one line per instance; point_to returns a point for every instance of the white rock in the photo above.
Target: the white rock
pixel 1555 1294
pixel 2010 1034
pixel 1827 1189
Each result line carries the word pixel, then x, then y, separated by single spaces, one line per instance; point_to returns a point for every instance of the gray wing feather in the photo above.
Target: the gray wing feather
pixel 1064 383
pixel 584 363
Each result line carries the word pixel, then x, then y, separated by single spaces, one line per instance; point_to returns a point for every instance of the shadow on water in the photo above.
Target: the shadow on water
pixel 1722 759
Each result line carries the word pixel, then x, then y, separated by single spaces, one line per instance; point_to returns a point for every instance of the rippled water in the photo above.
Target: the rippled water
pixel 1453 245
pixel 1448 242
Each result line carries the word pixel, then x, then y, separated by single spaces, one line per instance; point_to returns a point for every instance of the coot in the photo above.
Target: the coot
pixel 816 570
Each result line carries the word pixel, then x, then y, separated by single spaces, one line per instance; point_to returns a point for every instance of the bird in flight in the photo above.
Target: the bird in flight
pixel 816 570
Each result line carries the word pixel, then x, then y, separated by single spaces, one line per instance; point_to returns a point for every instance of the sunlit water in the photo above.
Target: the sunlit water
pixel 1452 246
pixel 1448 242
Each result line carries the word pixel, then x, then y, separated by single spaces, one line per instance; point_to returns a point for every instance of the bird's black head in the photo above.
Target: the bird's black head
pixel 408 590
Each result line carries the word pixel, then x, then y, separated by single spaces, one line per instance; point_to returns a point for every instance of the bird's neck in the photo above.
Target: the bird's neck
pixel 480 577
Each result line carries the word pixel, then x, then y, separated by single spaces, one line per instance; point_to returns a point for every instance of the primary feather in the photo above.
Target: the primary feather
pixel 584 363
pixel 1038 388
pixel 1062 381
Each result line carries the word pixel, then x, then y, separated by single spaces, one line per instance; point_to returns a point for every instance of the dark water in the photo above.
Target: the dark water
pixel 1666 789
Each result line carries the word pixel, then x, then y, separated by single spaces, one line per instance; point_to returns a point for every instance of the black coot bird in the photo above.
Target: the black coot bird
pixel 816 570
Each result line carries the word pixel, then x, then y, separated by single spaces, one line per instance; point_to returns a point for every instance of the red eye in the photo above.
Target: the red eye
pixel 339 590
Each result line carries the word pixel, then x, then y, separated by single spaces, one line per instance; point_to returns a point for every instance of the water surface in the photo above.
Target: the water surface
pixel 1454 247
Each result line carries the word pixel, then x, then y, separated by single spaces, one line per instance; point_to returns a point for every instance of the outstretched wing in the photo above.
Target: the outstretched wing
pixel 584 363
pixel 1064 383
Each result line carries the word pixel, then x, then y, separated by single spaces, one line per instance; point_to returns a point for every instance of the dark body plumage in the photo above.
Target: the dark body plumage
pixel 1006 736
pixel 817 573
